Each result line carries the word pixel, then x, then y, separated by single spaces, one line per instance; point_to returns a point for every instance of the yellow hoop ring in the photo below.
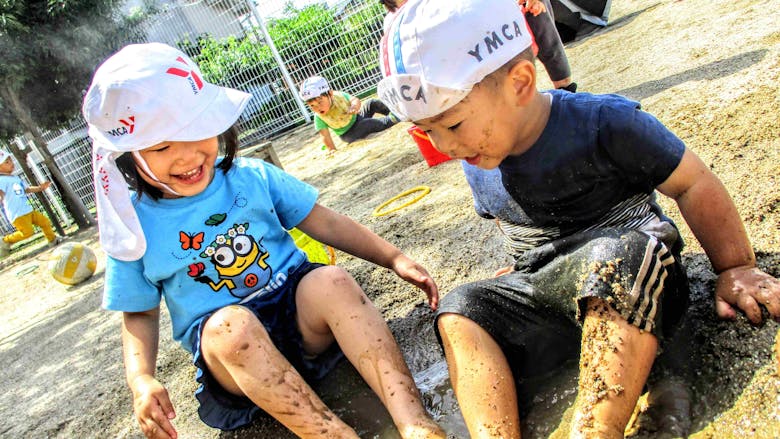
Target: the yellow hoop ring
pixel 424 189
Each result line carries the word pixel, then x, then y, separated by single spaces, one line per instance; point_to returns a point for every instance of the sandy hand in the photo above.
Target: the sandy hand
pixel 153 408
pixel 747 288
pixel 418 276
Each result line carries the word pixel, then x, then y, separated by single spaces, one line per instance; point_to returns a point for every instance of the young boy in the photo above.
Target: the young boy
pixel 342 113
pixel 18 211
pixel 598 263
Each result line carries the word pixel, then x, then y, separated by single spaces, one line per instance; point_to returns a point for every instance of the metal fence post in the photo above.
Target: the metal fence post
pixel 285 74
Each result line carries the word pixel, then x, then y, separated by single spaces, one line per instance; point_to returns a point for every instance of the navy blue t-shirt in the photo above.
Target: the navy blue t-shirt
pixel 595 152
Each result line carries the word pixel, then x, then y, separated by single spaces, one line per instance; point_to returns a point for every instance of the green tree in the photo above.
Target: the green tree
pixel 49 50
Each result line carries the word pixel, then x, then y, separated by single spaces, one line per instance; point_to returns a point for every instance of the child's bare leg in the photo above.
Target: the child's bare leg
pixel 481 378
pixel 331 304
pixel 615 361
pixel 242 357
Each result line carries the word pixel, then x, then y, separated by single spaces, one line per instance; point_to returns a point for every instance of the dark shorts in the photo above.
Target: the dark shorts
pixel 535 313
pixel 227 411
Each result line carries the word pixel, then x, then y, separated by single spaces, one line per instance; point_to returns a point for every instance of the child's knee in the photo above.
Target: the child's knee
pixel 455 326
pixel 230 332
pixel 327 282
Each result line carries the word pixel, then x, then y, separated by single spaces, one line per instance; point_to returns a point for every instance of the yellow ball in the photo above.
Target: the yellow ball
pixel 72 263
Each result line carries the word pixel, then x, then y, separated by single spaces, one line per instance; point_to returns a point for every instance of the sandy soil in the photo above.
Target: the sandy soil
pixel 710 71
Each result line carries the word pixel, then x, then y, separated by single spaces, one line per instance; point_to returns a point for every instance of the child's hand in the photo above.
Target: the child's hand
pixel 416 275
pixel 747 288
pixel 45 185
pixel 534 7
pixel 153 408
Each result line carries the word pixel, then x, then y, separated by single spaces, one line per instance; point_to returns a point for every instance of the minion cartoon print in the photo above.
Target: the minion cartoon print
pixel 239 261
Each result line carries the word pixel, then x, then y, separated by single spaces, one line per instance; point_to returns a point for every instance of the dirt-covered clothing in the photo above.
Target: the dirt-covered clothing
pixel 227 245
pixel 276 310
pixel 580 218
pixel 220 247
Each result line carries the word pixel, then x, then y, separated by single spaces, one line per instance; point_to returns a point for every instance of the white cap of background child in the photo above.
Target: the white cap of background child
pixel 140 96
pixel 313 87
pixel 434 52
pixel 4 155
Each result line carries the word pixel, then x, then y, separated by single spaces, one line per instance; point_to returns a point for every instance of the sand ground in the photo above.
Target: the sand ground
pixel 709 70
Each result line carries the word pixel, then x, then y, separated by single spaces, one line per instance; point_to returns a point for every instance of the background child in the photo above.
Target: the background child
pixel 541 21
pixel 13 192
pixel 342 113
pixel 209 236
pixel 598 268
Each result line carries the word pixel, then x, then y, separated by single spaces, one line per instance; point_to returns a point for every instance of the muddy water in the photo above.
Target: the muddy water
pixel 351 399
pixel 549 403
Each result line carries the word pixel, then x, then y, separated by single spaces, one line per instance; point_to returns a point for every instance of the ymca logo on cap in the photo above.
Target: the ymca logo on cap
pixel 195 82
pixel 128 126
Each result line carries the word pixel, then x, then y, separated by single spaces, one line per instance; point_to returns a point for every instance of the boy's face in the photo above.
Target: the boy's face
pixel 7 166
pixel 481 129
pixel 320 104
pixel 185 167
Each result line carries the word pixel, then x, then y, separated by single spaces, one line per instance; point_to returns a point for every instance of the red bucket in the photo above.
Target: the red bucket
pixel 431 155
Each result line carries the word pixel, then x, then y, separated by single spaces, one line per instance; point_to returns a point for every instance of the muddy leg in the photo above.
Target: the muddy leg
pixel 241 356
pixel 481 378
pixel 615 361
pixel 331 304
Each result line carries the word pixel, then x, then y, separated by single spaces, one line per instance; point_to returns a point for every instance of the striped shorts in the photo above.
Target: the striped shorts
pixel 535 313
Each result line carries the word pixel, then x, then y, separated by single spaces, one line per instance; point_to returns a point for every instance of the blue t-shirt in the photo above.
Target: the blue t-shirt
pixel 596 164
pixel 220 247
pixel 15 202
pixel 595 152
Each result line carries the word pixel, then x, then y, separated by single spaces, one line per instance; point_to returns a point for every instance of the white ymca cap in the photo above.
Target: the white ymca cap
pixel 4 155
pixel 435 51
pixel 140 96
pixel 313 87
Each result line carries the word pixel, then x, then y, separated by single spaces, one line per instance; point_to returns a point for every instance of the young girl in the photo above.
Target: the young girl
pixel 209 235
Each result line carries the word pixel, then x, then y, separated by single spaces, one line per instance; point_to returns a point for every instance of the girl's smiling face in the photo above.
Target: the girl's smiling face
pixel 185 167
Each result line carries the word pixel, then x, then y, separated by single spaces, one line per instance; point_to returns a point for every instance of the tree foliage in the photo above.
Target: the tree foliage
pixel 310 40
pixel 49 50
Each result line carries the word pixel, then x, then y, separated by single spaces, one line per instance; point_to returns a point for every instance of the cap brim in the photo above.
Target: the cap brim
pixel 412 98
pixel 216 118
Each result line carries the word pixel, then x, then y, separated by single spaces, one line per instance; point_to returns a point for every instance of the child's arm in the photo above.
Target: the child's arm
pixel 354 105
pixel 152 406
pixel 712 216
pixel 343 233
pixel 40 188
pixel 327 140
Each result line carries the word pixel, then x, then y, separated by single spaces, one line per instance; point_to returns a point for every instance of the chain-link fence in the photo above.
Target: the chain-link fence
pixel 266 48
